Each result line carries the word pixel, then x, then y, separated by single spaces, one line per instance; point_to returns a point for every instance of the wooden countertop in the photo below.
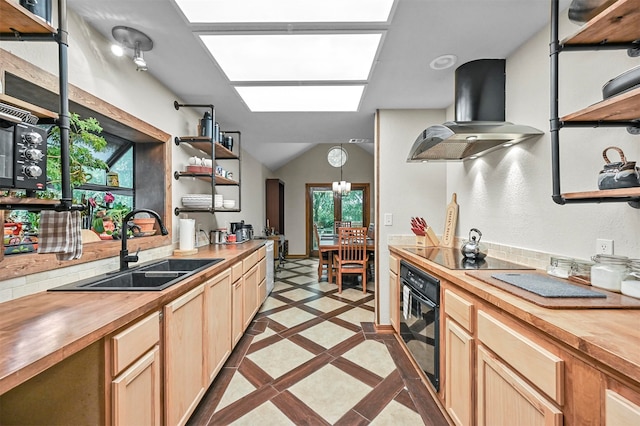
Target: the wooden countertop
pixel 609 337
pixel 42 329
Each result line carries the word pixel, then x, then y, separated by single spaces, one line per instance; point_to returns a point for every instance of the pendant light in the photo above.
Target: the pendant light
pixel 341 187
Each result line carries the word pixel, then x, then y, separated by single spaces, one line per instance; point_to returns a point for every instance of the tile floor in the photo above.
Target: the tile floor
pixel 312 357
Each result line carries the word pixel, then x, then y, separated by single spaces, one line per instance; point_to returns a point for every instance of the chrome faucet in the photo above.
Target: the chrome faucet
pixel 125 258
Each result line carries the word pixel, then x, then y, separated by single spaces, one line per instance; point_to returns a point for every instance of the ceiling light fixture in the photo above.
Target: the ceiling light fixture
pixel 443 62
pixel 338 156
pixel 132 39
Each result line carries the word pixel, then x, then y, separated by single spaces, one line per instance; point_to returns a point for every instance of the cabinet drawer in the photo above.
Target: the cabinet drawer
pixel 459 309
pixel 236 272
pixel 394 265
pixel 262 252
pixel 532 361
pixel 130 344
pixel 249 262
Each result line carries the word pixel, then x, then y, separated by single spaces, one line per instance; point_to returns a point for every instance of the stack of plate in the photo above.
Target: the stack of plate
pixel 217 201
pixel 197 201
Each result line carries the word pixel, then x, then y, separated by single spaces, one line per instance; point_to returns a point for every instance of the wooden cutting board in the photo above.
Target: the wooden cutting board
pixel 450 221
pixel 612 301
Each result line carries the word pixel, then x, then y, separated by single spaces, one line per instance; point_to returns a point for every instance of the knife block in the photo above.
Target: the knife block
pixel 422 241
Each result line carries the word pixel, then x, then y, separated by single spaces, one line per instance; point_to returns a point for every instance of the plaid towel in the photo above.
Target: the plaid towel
pixel 60 234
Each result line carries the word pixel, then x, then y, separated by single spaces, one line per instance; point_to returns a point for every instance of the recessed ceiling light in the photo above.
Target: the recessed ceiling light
pixel 443 62
pixel 236 11
pixel 294 57
pixel 301 98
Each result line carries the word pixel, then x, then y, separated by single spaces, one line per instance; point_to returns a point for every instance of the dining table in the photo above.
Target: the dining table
pixel 331 243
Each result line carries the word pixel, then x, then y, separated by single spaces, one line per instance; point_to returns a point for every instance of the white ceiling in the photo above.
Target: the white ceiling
pixel 419 31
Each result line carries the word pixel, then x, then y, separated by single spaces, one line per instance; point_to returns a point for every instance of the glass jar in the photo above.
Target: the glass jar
pixel 559 266
pixel 581 271
pixel 630 285
pixel 608 270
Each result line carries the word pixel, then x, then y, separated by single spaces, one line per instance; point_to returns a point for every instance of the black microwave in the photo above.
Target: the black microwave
pixel 23 156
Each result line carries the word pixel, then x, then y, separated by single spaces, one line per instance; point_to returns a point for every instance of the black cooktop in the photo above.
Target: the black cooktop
pixel 452 258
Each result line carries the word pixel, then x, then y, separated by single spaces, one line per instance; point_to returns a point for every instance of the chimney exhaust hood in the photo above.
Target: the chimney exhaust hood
pixel 479 110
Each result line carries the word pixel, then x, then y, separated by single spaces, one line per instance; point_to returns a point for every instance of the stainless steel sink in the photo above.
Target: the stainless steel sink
pixel 155 276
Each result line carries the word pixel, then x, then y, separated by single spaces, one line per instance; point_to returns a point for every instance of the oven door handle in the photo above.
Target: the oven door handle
pixel 419 297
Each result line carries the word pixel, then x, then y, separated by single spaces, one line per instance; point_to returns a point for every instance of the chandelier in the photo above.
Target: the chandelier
pixel 341 187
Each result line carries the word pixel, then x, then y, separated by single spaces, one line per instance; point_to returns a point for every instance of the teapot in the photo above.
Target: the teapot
pixel 472 249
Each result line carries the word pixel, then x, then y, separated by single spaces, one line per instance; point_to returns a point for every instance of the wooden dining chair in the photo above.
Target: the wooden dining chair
pixel 351 257
pixel 324 258
pixel 340 224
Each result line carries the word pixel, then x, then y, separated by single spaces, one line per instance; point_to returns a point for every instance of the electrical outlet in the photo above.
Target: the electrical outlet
pixel 604 246
pixel 388 219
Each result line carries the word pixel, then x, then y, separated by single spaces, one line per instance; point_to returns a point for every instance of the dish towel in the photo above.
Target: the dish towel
pixel 60 234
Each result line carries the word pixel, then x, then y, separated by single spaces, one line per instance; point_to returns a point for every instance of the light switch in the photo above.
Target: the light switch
pixel 388 219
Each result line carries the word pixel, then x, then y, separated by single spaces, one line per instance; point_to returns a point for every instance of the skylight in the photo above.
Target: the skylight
pixel 301 98
pixel 294 57
pixel 254 11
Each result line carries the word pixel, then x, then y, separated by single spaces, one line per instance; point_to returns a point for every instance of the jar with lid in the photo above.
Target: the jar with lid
pixel 559 266
pixel 631 282
pixel 608 271
pixel 581 271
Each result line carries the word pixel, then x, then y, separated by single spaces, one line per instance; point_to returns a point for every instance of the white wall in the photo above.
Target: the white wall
pixel 312 167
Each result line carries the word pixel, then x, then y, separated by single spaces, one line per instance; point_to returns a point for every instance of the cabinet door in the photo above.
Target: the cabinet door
pixel 506 399
pixel 619 411
pixel 184 356
pixel 218 322
pixel 136 392
pixel 237 321
pixel 459 373
pixel 250 295
pixel 394 301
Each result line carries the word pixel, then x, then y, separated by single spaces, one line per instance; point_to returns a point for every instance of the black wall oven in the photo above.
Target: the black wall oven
pixel 420 319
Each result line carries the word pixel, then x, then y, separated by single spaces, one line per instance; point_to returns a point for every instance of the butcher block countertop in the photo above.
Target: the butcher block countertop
pixel 610 337
pixel 42 329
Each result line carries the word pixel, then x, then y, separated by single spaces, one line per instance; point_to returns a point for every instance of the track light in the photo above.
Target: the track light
pixel 132 39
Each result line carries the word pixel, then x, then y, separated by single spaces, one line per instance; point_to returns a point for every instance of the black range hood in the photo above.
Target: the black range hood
pixel 479 111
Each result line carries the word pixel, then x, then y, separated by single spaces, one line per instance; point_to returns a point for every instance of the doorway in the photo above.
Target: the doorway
pixel 324 207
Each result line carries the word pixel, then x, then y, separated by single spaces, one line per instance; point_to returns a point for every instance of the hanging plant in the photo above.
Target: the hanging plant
pixel 84 141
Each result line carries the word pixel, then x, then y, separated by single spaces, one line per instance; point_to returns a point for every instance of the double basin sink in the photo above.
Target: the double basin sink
pixel 154 276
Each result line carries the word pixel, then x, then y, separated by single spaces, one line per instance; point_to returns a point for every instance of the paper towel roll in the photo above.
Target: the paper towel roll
pixel 187 234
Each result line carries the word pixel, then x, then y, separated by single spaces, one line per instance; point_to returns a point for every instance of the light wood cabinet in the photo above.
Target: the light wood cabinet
pixel 136 392
pixel 619 411
pixel 251 305
pixel 218 304
pixel 506 399
pixel 237 298
pixel 184 372
pixel 394 297
pixel 459 369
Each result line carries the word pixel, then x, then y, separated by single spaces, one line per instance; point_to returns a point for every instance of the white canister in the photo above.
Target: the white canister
pixel 631 282
pixel 608 271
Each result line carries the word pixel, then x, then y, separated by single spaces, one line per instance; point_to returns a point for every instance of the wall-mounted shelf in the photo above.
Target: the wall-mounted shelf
pixel 617 27
pixel 14 17
pixel 217 152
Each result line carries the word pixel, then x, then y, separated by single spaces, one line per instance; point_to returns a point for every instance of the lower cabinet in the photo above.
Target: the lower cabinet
pixel 619 411
pixel 237 298
pixel 184 371
pixel 459 369
pixel 134 359
pixel 394 291
pixel 218 305
pixel 504 398
pixel 136 392
pixel 250 306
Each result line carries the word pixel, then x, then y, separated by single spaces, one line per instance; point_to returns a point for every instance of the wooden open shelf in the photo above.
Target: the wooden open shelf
pixel 33 109
pixel 618 23
pixel 205 177
pixel 605 193
pixel 15 17
pixel 625 106
pixel 203 143
pixel 27 201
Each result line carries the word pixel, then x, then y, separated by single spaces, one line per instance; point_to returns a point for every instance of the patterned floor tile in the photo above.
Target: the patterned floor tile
pixel 298 294
pixel 280 358
pixel 357 315
pixel 265 415
pixel 279 286
pixel 396 414
pixel 330 392
pixel 327 334
pixel 303 279
pixel 291 317
pixel 325 304
pixel 373 356
pixel 239 387
pixel 271 303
